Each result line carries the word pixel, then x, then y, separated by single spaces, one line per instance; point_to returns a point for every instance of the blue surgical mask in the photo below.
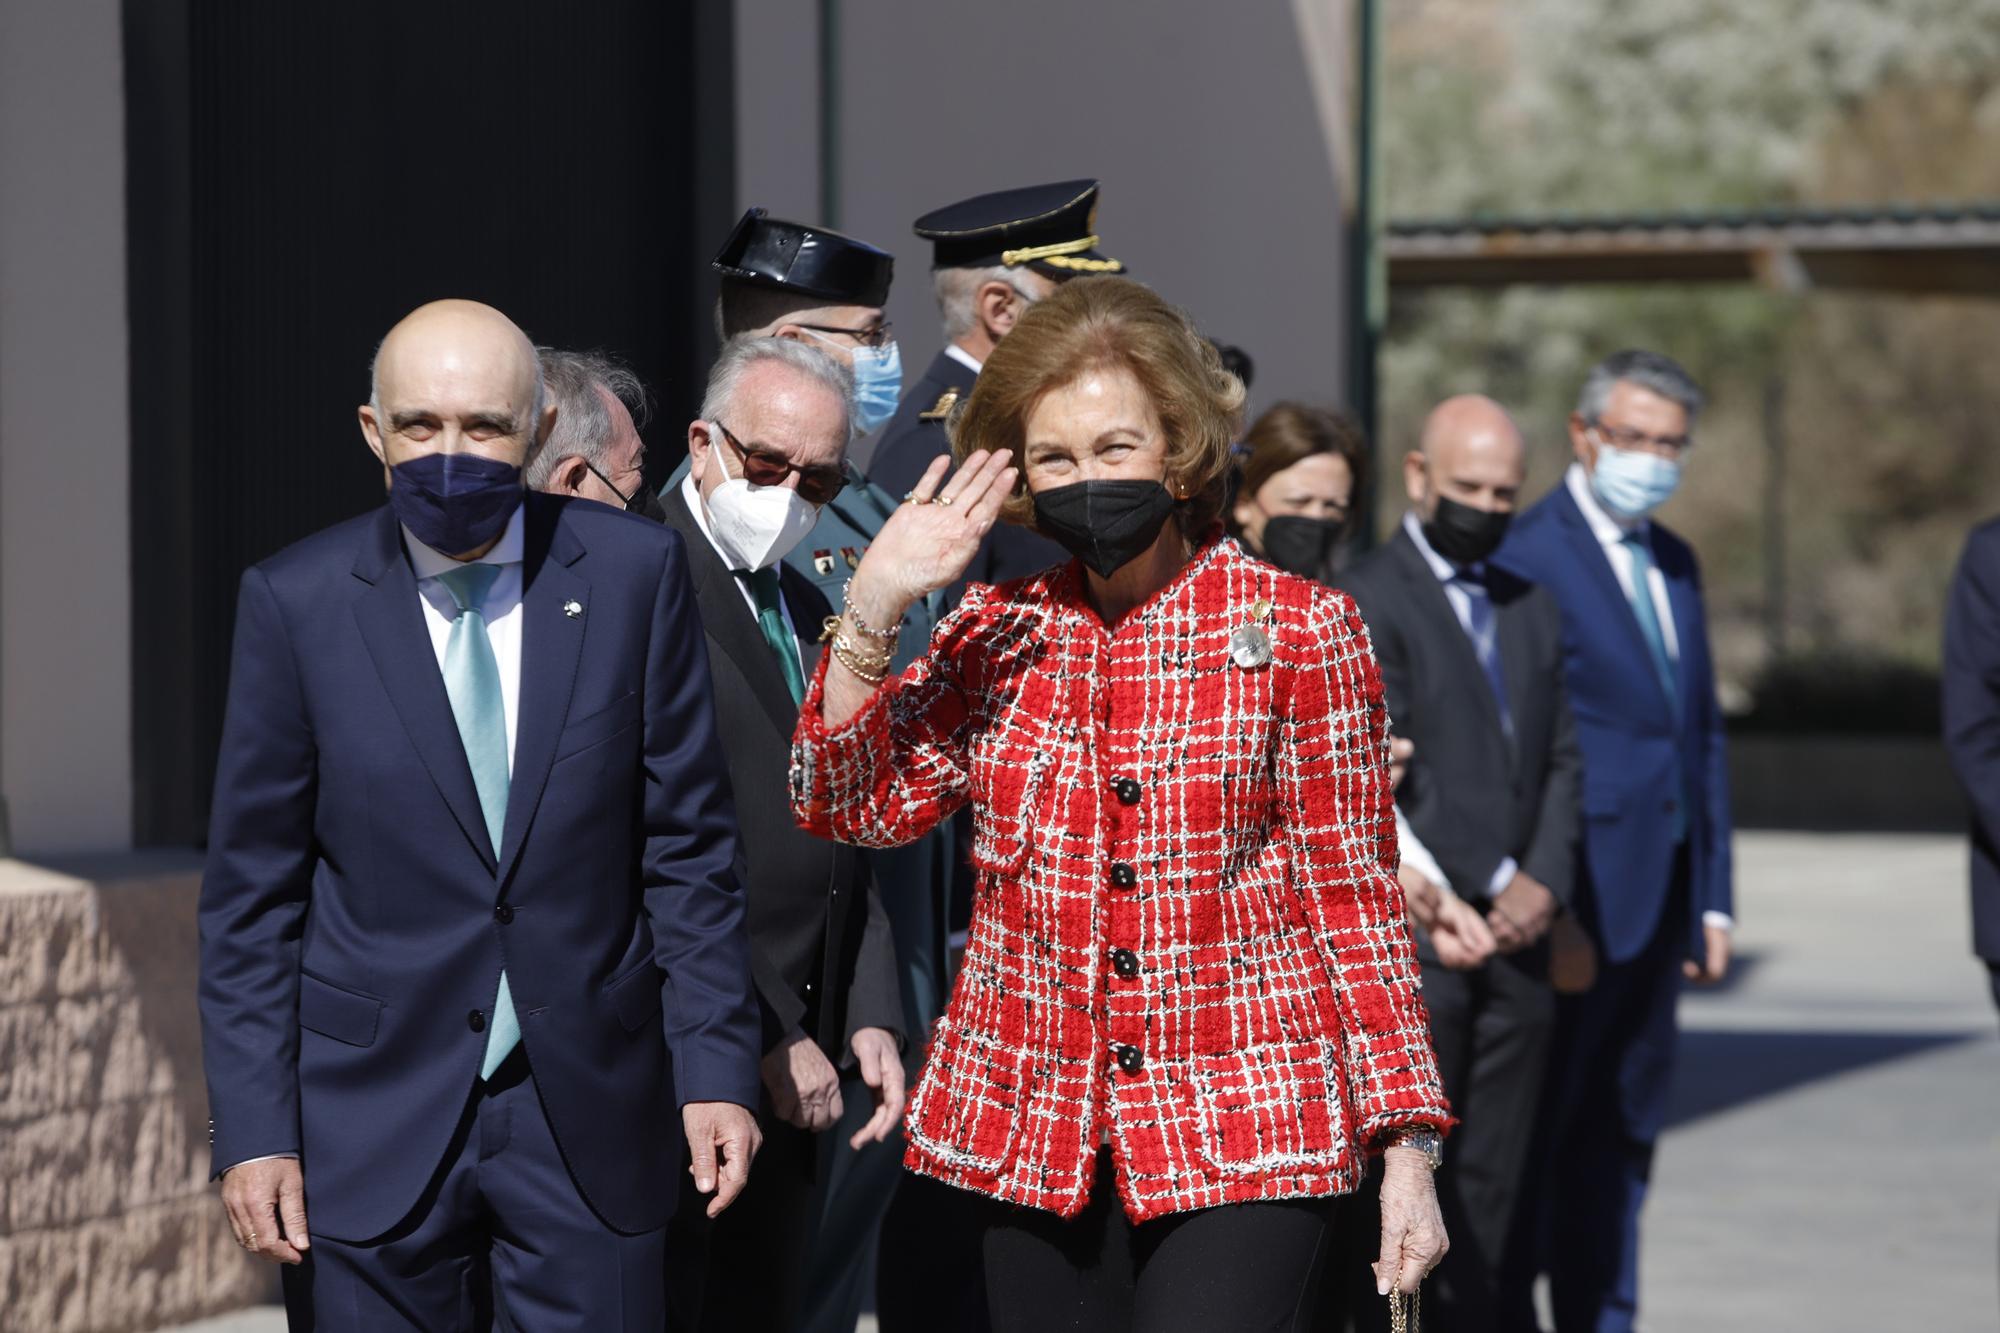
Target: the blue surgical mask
pixel 1631 483
pixel 878 385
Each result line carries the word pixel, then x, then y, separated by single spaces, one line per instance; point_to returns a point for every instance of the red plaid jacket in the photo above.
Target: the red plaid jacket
pixel 1187 931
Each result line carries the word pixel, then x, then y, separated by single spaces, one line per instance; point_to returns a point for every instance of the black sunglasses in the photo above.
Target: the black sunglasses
pixel 767 467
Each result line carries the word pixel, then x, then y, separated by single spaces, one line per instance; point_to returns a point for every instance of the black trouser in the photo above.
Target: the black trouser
pixel 1246 1267
pixel 747 1269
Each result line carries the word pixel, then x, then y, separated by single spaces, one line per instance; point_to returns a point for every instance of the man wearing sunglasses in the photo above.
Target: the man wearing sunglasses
pixel 595 451
pixel 766 454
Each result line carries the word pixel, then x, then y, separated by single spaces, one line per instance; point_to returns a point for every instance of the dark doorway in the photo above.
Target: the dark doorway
pixel 303 174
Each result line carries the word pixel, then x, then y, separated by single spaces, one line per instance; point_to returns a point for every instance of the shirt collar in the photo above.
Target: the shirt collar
pixel 1609 529
pixel 427 563
pixel 963 357
pixel 1445 570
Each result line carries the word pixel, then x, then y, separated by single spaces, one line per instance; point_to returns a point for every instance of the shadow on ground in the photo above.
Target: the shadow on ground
pixel 1721 1070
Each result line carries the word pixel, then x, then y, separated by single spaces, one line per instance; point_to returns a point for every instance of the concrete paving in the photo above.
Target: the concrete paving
pixel 1833 1162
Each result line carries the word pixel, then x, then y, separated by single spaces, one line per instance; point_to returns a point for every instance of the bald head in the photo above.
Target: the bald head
pixel 455 377
pixel 1471 452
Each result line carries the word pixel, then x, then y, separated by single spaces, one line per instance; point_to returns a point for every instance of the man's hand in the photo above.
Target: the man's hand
pixel 720 1132
pixel 1716 966
pixel 1522 912
pixel 1400 750
pixel 1460 936
pixel 266 1203
pixel 804 1085
pixel 882 1070
pixel 1420 896
pixel 1572 957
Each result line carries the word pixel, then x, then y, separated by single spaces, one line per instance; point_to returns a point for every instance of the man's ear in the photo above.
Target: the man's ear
pixel 791 331
pixel 1416 477
pixel 699 449
pixel 1580 442
pixel 567 478
pixel 371 431
pixel 998 306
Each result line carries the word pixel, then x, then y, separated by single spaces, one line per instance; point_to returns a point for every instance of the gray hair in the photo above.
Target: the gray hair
pixel 740 353
pixel 958 290
pixel 1649 370
pixel 583 422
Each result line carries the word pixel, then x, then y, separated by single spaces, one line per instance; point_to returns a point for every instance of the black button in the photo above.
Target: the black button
pixel 504 914
pixel 1125 963
pixel 1123 875
pixel 1128 791
pixel 476 1021
pixel 1131 1059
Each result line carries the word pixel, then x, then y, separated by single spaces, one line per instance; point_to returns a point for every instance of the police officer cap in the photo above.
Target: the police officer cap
pixel 814 261
pixel 1048 227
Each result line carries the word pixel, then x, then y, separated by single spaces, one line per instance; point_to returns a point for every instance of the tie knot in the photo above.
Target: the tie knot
pixel 469 584
pixel 763 585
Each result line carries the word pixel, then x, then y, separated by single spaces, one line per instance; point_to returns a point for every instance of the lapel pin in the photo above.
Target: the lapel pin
pixel 1249 645
pixel 573 609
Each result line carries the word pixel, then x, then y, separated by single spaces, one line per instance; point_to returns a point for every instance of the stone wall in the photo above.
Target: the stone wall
pixel 107 1220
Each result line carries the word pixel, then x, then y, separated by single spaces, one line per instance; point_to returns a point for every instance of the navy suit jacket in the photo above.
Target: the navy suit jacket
pixel 1630 736
pixel 1972 718
pixel 354 916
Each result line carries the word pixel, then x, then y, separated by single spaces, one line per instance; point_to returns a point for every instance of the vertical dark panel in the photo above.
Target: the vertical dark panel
pixel 301 176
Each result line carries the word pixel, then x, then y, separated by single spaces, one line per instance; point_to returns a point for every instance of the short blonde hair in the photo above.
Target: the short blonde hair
pixel 1088 324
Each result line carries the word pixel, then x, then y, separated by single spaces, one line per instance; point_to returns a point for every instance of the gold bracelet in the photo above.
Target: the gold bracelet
pixel 870 672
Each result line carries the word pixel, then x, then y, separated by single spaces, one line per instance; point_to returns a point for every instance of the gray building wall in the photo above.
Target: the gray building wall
pixel 1217 130
pixel 65 555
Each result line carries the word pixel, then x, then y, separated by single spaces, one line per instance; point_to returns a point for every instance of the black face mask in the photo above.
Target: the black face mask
pixel 1105 524
pixel 1464 535
pixel 643 502
pixel 1301 545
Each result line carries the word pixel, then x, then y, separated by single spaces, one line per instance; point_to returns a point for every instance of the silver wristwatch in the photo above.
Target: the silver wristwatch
pixel 1426 1141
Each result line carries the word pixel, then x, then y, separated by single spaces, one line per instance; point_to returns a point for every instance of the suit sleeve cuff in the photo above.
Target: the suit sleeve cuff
pixel 267 1157
pixel 1720 920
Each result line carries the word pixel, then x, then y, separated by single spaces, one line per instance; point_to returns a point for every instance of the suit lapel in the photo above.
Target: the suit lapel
pixel 1596 563
pixel 727 618
pixel 392 625
pixel 1429 593
pixel 551 645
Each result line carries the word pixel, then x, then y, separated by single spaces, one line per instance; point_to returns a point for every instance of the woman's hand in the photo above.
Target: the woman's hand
pixel 1413 1238
pixel 927 543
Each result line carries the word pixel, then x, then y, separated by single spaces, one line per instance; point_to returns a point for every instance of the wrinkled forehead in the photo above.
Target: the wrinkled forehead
pixel 1640 408
pixel 454 372
pixel 775 407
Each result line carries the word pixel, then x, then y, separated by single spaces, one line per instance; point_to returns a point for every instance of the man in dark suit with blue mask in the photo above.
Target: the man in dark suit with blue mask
pixel 473 955
pixel 1653 890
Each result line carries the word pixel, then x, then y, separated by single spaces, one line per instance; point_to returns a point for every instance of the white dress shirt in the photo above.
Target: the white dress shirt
pixel 502 609
pixel 963 357
pixel 691 493
pixel 1414 850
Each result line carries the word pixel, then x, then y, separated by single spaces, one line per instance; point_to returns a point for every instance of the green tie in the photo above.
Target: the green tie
pixel 1656 645
pixel 472 680
pixel 770 619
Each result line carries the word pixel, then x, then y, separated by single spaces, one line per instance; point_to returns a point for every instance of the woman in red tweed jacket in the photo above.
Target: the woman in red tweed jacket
pixel 1188 969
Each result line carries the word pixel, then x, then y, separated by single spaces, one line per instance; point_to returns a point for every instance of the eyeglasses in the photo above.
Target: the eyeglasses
pixel 875 335
pixel 767 467
pixel 1624 437
pixel 633 501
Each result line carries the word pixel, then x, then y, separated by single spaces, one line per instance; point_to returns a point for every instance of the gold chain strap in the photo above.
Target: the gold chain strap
pixel 1406 1319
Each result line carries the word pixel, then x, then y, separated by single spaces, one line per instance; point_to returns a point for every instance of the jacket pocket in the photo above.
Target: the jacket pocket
pixel 1269 1108
pixel 336 1012
pixel 635 997
pixel 968 1106
pixel 580 735
pixel 1002 827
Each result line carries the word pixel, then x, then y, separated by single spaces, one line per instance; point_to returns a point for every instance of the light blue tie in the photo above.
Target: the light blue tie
pixel 1648 616
pixel 472 679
